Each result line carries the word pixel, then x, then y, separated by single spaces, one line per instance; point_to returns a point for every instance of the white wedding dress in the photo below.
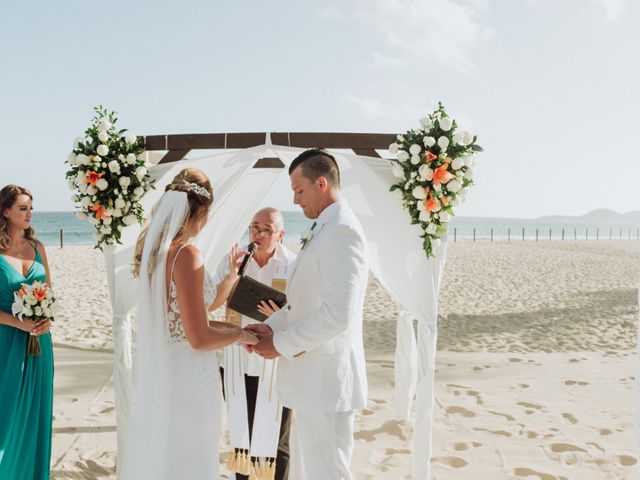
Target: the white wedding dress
pixel 174 427
pixel 194 423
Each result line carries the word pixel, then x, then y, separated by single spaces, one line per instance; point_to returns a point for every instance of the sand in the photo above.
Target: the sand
pixel 535 373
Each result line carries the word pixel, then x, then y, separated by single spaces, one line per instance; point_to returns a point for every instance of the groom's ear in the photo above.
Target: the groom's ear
pixel 323 183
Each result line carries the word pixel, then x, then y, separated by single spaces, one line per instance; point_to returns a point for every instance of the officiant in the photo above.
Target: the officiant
pixel 258 424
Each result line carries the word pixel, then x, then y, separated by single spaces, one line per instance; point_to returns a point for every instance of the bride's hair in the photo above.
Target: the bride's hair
pixel 8 197
pixel 196 185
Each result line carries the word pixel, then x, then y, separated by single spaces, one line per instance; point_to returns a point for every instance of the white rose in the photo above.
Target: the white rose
pixel 438 187
pixel 103 136
pixel 27 312
pixel 403 156
pixel 400 138
pixel 141 172
pixel 445 217
pixel 397 170
pixel 454 185
pixel 457 163
pixel 415 159
pixel 138 192
pixel 129 219
pixel 107 221
pixel 75 198
pixel 102 184
pixel 82 159
pixel 424 216
pixel 429 141
pixel 425 123
pixel 77 142
pixel 117 213
pixel 394 147
pixel 469 173
pixel 130 138
pixel 445 124
pixel 415 149
pixel 31 300
pixel 467 138
pixel 72 159
pixel 91 190
pixel 470 161
pixel 419 193
pixel 102 150
pixel 431 229
pixel 81 215
pixel 71 184
pixel 125 182
pixel 131 159
pixel 114 166
pixel 38 311
pixel 458 138
pixel 104 126
pixel 105 230
pixel 119 202
pixel 443 142
pixel 425 172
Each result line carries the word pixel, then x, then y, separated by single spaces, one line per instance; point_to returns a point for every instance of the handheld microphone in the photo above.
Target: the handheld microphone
pixel 243 266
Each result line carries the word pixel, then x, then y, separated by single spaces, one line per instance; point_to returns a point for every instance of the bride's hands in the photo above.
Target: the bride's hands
pixel 247 338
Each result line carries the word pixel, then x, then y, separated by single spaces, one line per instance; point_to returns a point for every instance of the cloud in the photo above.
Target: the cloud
pixel 613 8
pixel 424 31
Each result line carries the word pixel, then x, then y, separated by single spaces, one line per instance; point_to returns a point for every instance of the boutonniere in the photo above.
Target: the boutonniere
pixel 305 238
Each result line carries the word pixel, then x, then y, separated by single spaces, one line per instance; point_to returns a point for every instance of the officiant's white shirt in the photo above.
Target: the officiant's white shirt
pixel 319 332
pixel 282 257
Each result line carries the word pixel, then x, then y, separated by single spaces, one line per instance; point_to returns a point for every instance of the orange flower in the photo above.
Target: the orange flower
pixel 23 291
pixel 440 175
pixel 430 156
pixel 432 205
pixel 447 160
pixel 40 293
pixel 93 177
pixel 100 211
pixel 444 201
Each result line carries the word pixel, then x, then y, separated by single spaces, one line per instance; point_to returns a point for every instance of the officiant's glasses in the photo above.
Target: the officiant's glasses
pixel 261 232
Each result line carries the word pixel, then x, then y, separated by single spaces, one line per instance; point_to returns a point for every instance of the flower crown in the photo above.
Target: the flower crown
pixel 197 189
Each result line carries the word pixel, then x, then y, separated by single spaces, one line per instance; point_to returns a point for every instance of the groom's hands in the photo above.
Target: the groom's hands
pixel 264 347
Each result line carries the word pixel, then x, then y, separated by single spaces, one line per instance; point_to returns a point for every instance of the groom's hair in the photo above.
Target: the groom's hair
pixel 317 162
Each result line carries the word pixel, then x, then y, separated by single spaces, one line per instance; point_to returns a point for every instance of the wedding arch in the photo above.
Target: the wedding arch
pixel 243 169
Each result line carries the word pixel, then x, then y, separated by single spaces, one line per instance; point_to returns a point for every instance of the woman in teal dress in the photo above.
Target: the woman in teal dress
pixel 26 382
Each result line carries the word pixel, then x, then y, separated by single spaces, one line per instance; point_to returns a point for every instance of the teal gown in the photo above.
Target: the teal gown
pixel 26 388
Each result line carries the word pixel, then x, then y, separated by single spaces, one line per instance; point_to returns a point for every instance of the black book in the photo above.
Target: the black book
pixel 247 294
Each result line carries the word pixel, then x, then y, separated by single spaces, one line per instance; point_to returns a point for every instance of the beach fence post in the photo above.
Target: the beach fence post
pixel 474 234
pixel 549 234
pixel 563 234
pixel 492 234
pixel 508 234
pixel 575 233
pixel 523 234
pixel 536 234
pixel 455 234
pixel 586 234
pixel 597 234
pixel 61 239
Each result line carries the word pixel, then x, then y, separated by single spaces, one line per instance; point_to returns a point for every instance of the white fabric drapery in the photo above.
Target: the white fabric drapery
pixel 397 260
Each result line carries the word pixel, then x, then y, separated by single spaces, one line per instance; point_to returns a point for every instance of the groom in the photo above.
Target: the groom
pixel 318 335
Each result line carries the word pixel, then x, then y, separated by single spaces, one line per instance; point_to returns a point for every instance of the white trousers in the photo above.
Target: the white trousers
pixel 321 445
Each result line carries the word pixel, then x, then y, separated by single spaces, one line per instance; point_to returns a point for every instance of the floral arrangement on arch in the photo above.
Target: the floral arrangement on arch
pixel 434 166
pixel 109 176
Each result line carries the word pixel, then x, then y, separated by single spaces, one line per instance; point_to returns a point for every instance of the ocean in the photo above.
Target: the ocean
pixel 78 232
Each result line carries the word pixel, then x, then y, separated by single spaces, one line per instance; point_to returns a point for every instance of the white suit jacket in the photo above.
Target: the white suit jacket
pixel 319 332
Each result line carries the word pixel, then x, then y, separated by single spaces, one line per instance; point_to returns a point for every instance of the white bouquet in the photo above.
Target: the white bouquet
pixel 34 302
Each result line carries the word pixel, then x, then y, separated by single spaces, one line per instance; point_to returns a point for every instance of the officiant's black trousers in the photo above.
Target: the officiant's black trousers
pixel 282 460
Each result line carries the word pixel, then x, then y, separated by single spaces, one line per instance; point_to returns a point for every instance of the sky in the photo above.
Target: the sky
pixel 551 87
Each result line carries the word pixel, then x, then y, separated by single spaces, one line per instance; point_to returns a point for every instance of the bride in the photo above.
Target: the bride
pixel 175 423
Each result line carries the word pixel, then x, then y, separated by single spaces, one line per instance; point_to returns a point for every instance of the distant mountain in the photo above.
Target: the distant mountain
pixel 600 215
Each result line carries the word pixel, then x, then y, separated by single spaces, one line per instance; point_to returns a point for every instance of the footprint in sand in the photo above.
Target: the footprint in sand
pixel 529 406
pixel 390 427
pixel 566 447
pixel 627 460
pixel 527 472
pixel 605 431
pixel 377 401
pixel 575 382
pixel 523 385
pixel 461 446
pixel 505 415
pixel 570 418
pixel 460 411
pixel 454 462
pixel 500 433
pixel 366 411
pixel 515 360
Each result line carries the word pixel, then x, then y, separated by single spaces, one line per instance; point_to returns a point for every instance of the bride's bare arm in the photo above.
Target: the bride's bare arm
pixel 189 278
